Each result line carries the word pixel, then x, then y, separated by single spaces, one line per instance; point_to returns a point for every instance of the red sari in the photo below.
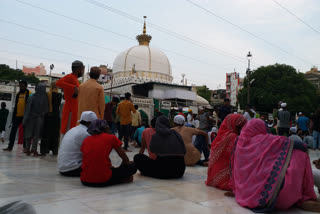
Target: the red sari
pixel 219 170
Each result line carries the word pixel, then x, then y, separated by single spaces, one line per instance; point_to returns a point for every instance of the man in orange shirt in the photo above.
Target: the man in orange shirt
pixel 91 95
pixel 70 86
pixel 124 111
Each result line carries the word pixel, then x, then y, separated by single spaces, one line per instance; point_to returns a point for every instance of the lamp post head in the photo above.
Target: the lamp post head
pixel 249 55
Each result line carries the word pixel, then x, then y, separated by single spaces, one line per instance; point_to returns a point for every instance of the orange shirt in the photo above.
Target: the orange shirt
pixel 67 83
pixel 124 111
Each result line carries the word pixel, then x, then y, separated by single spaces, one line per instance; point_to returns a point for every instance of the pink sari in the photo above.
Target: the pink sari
pixel 267 172
pixel 219 169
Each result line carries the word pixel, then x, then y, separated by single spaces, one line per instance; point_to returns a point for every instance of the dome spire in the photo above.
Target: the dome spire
pixel 144 38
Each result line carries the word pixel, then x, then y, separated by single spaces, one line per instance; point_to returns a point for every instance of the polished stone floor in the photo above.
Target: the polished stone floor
pixel 36 181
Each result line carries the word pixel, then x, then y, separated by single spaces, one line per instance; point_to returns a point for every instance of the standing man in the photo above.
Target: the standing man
pixel 225 110
pixel 136 121
pixel 108 113
pixel 303 124
pixel 124 111
pixel 3 120
pixel 284 117
pixel 91 95
pixel 18 112
pixel 70 86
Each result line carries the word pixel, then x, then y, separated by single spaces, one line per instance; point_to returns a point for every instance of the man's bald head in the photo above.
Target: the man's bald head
pixel 95 73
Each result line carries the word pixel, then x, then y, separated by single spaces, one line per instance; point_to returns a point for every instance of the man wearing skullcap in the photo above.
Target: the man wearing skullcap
pixel 91 95
pixel 284 117
pixel 70 86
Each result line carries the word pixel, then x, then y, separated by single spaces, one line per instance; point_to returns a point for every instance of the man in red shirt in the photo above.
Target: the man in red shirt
pixel 70 86
pixel 97 170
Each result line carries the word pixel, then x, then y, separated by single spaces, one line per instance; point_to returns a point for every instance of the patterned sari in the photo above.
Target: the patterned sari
pixel 219 169
pixel 267 172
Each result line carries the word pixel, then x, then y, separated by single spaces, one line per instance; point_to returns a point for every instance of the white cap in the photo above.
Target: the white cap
pixel 179 119
pixel 122 96
pixel 300 113
pixel 283 105
pixel 88 116
pixel 293 130
pixel 214 129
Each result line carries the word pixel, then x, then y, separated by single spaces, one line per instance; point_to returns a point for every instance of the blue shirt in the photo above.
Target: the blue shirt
pixel 138 133
pixel 303 123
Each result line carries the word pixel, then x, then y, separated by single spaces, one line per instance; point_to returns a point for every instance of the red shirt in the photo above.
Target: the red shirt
pixel 180 113
pixel 96 165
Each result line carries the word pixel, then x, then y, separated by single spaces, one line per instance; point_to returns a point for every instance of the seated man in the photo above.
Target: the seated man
pixel 69 155
pixel 193 152
pixel 97 170
pixel 293 134
pixel 138 134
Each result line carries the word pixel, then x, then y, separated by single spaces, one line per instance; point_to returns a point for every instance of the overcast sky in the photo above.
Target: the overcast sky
pixel 213 48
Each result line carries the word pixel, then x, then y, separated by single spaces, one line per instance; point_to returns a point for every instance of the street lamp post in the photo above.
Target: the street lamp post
pixel 249 56
pixel 51 67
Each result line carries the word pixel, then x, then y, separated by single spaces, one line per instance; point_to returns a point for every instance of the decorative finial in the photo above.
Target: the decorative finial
pixel 144 38
pixel 144 26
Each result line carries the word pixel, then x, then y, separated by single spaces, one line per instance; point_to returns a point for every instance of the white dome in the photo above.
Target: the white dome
pixel 149 64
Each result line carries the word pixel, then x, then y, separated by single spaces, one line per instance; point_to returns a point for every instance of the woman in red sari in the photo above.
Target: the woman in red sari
pixel 219 170
pixel 271 172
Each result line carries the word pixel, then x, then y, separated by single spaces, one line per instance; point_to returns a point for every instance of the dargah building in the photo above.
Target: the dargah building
pixel 146 73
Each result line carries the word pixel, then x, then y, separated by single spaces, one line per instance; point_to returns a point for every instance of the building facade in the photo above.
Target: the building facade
pixel 314 77
pixel 38 70
pixel 232 87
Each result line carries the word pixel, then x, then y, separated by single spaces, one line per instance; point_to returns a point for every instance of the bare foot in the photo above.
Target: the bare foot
pixel 311 206
pixel 229 194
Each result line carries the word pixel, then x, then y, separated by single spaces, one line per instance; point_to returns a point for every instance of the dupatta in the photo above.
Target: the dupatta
pixel 259 165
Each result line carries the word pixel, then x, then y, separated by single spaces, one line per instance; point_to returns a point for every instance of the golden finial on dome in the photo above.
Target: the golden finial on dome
pixel 144 38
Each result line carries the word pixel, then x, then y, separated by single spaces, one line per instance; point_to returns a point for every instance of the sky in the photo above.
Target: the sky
pixel 203 39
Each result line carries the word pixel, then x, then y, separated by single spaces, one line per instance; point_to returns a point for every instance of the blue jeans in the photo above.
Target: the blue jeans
pixel 316 139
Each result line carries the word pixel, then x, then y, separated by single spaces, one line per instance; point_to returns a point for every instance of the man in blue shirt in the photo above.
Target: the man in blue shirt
pixel 303 124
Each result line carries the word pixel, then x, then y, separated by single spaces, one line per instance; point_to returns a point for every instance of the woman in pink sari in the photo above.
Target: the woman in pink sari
pixel 271 172
pixel 219 169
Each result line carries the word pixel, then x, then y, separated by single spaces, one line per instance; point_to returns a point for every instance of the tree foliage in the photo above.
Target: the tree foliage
pixel 7 73
pixel 276 83
pixel 204 92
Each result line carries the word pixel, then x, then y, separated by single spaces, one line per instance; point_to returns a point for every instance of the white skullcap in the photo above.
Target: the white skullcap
pixel 88 116
pixel 179 119
pixel 122 96
pixel 293 130
pixel 300 113
pixel 283 105
pixel 214 129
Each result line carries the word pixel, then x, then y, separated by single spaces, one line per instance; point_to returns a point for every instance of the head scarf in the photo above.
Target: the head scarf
pixel 97 127
pixel 53 89
pixel 166 142
pixel 259 164
pixel 219 170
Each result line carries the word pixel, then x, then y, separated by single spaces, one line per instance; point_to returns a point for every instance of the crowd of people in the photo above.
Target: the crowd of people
pixel 263 163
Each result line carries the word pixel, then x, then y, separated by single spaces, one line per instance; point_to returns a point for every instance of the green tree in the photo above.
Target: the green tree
pixel 279 82
pixel 204 92
pixel 7 73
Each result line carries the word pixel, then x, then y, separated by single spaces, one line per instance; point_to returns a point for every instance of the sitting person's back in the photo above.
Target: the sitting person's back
pixel 293 134
pixel 138 134
pixel 168 145
pixel 146 139
pixel 70 156
pixel 97 169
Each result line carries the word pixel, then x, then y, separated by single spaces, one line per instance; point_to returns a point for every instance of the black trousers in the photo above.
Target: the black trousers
pixel 283 131
pixel 118 176
pixel 125 131
pixel 15 125
pixel 163 167
pixel 72 173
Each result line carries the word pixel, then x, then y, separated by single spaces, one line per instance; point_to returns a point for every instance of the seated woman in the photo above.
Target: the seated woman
pixel 219 170
pixel 146 139
pixel 271 172
pixel 97 170
pixel 168 145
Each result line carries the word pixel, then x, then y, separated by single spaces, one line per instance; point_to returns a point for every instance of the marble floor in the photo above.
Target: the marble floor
pixel 36 181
